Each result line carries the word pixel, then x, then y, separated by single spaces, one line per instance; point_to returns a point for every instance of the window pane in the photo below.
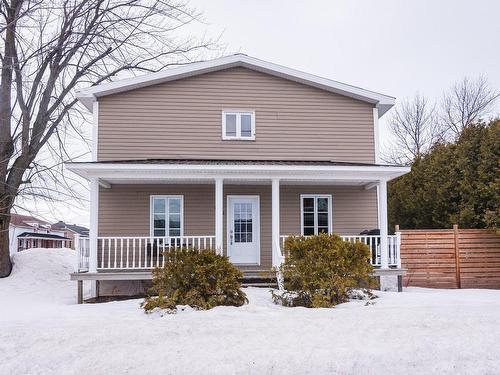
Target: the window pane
pixel 308 231
pixel 308 204
pixel 174 221
pixel 308 220
pixel 246 125
pixel 322 229
pixel 159 205
pixel 159 221
pixel 231 125
pixel 323 219
pixel 322 204
pixel 174 232
pixel 174 205
pixel 159 232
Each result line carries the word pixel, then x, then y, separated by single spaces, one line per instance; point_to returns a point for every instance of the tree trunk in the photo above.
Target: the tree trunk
pixel 5 263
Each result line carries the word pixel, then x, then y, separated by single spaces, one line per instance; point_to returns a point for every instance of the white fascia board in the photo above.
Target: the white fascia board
pixel 88 95
pixel 200 171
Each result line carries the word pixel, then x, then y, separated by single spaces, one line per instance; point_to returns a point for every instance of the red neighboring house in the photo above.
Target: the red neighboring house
pixel 27 232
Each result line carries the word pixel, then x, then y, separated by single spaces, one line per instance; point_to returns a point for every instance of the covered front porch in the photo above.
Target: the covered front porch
pixel 244 210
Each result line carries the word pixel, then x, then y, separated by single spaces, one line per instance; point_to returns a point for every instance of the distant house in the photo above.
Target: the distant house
pixel 70 230
pixel 26 232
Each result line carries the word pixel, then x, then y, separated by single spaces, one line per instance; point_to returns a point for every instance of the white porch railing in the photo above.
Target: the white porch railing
pixel 115 253
pixel 373 241
pixel 118 253
pixel 82 248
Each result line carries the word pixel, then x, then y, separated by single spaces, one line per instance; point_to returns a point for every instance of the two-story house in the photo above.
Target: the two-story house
pixel 232 154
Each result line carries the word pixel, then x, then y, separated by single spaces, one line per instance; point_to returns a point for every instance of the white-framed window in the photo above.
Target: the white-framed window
pixel 238 125
pixel 167 215
pixel 315 214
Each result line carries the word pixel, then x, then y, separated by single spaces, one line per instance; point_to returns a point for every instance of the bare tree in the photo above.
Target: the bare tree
pixel 52 47
pixel 415 128
pixel 466 103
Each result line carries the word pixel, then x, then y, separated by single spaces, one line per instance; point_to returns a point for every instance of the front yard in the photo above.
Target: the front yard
pixel 423 331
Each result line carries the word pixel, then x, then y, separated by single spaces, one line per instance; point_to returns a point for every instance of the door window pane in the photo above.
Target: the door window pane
pixel 231 125
pixel 242 225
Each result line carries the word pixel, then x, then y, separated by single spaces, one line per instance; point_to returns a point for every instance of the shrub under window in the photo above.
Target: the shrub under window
pixel 323 271
pixel 201 280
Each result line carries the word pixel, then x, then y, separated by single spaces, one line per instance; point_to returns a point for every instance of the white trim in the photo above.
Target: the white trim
pixel 95 129
pixel 275 222
pixel 371 185
pixel 88 95
pixel 238 113
pixel 330 211
pixel 257 226
pixel 219 216
pixel 93 231
pixel 376 136
pixel 382 202
pixel 167 225
pixel 378 204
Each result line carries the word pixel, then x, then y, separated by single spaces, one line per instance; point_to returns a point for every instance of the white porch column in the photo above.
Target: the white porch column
pixel 94 215
pixel 382 213
pixel 219 223
pixel 275 226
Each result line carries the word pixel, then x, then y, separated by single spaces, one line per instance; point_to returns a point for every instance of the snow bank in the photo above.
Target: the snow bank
pixel 419 331
pixel 41 275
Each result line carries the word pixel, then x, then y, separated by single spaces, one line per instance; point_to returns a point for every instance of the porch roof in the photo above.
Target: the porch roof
pixel 201 170
pixel 43 236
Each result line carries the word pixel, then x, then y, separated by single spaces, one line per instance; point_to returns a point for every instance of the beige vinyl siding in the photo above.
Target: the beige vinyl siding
pixel 182 119
pixel 354 208
pixel 124 210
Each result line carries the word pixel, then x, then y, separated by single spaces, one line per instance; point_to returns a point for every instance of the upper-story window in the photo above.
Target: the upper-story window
pixel 239 125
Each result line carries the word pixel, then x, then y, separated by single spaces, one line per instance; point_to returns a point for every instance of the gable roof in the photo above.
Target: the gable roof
pixel 25 220
pixel 89 95
pixel 72 227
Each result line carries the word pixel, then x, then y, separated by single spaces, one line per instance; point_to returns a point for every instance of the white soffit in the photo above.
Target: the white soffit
pixel 129 171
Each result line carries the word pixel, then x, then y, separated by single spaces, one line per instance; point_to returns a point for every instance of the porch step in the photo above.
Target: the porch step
pixel 260 285
pixel 259 278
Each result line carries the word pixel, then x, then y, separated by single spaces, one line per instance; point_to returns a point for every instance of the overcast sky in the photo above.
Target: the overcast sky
pixel 391 46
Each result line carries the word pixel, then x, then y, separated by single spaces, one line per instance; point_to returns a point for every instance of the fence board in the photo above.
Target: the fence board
pixel 451 258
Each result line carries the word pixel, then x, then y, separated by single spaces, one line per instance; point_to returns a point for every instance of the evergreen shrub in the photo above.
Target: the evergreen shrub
pixel 323 271
pixel 200 279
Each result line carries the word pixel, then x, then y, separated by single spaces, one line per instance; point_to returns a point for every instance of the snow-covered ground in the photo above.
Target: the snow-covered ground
pixel 420 331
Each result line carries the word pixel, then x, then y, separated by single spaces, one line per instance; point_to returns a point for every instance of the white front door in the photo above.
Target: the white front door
pixel 243 229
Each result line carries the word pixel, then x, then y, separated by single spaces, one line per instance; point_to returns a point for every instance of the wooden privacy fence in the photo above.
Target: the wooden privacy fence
pixel 451 258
